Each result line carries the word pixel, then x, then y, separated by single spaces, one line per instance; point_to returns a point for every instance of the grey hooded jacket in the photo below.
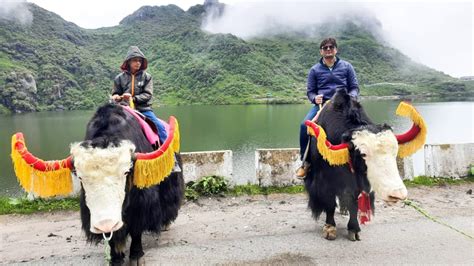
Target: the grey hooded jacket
pixel 143 82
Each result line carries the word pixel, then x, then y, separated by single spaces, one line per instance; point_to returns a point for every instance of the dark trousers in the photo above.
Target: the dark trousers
pixel 303 135
pixel 161 128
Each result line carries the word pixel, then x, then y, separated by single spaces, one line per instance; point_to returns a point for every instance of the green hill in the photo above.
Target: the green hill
pixel 53 64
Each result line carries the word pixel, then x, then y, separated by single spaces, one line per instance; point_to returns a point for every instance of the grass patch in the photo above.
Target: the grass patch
pixel 218 186
pixel 432 181
pixel 257 190
pixel 25 206
pixel 207 186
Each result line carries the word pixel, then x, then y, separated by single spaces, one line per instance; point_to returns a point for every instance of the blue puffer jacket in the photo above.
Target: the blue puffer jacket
pixel 322 80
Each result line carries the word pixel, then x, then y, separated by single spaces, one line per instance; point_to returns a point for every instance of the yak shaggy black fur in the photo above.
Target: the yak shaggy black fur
pixel 148 209
pixel 339 118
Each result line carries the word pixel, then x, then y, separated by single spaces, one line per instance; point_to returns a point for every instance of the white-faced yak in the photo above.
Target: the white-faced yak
pixel 127 187
pixel 351 158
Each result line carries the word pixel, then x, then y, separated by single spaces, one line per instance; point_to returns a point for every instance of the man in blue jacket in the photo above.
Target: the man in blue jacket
pixel 324 79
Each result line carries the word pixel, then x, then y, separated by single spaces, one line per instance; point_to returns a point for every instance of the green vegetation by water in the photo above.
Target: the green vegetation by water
pixel 53 64
pixel 210 186
pixel 432 181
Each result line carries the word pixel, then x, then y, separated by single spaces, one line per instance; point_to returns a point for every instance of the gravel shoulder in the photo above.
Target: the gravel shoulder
pixel 271 229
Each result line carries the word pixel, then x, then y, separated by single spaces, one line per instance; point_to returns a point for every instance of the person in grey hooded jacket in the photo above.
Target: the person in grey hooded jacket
pixel 135 85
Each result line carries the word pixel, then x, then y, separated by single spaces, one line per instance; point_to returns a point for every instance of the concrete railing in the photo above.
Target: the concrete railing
pixel 276 167
pixel 448 160
pixel 207 163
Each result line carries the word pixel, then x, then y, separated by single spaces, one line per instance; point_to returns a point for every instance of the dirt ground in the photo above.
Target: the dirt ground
pixel 263 230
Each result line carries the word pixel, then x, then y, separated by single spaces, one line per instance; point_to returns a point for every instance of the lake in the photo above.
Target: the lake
pixel 240 128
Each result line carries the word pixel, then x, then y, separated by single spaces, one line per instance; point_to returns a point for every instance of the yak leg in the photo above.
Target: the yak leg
pixel 117 251
pixel 353 227
pixel 136 250
pixel 329 230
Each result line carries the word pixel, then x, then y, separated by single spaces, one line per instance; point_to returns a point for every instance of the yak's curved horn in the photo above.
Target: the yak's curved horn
pixel 43 178
pixel 333 154
pixel 153 167
pixel 412 140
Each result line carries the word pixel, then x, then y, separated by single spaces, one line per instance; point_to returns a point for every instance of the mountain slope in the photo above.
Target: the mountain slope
pixel 54 64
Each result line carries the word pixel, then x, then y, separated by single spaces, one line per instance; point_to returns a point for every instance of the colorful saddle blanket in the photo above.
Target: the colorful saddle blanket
pixel 148 127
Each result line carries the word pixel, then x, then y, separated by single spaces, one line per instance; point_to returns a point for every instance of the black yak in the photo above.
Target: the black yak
pixel 127 188
pixel 357 159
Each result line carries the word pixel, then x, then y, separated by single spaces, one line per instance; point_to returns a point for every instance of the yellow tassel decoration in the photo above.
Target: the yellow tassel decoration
pixel 47 183
pixel 149 172
pixel 333 157
pixel 408 148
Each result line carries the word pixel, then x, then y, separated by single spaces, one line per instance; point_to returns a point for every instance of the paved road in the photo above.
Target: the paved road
pixel 263 230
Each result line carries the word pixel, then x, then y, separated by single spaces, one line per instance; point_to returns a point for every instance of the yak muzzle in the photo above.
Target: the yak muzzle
pixel 396 195
pixel 106 226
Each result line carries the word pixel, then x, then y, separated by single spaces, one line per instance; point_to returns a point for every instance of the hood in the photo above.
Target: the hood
pixel 134 51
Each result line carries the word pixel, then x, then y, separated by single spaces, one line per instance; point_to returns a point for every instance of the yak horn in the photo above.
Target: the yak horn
pixel 43 178
pixel 153 167
pixel 412 140
pixel 333 154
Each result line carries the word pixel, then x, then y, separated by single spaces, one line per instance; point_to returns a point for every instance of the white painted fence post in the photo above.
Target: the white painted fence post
pixel 448 160
pixel 207 163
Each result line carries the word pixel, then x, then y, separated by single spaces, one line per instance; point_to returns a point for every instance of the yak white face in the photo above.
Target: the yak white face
pixel 103 174
pixel 380 154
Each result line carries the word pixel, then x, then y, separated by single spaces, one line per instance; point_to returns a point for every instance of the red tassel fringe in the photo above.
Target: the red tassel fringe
pixel 363 202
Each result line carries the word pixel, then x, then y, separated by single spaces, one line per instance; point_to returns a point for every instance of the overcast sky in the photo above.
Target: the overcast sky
pixel 436 33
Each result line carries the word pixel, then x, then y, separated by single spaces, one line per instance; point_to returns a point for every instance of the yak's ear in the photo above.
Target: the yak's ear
pixel 341 99
pixel 385 127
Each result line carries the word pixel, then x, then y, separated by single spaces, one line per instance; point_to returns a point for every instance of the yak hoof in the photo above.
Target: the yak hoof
pixel 166 227
pixel 353 236
pixel 329 232
pixel 137 262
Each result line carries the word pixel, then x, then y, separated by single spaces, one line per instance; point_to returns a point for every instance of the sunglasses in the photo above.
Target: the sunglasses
pixel 327 47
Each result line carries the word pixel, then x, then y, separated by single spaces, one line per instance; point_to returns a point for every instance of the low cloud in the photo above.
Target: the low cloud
pixel 15 10
pixel 439 35
pixel 248 20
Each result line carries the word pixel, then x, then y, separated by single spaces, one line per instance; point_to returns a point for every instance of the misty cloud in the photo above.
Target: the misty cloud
pixel 15 10
pixel 248 20
pixel 420 30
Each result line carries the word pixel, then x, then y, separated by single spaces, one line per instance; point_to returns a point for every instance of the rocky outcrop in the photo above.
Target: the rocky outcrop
pixel 19 93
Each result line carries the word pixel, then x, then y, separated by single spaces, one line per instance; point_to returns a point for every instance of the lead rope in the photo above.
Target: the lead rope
pixel 107 247
pixel 420 210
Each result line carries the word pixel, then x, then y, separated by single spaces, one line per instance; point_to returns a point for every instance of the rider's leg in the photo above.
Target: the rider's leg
pixel 301 172
pixel 161 133
pixel 161 128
